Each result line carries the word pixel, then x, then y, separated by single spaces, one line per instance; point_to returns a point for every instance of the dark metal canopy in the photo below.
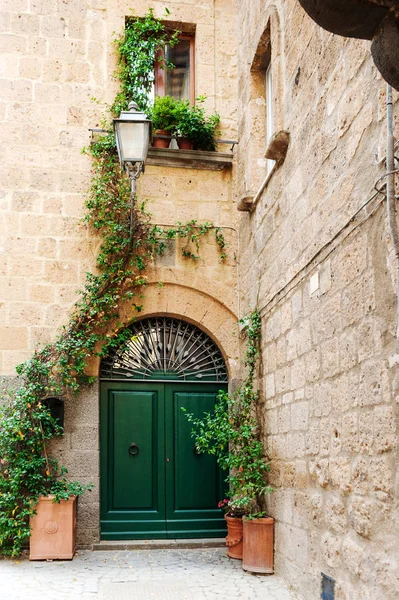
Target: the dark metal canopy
pixel 376 20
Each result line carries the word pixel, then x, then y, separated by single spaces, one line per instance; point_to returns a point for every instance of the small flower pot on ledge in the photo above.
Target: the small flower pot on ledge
pixel 161 142
pixel 53 534
pixel 257 556
pixel 185 143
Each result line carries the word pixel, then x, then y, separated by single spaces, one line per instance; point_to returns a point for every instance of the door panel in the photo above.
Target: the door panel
pixel 132 485
pixel 166 490
pixel 134 427
pixel 194 483
pixel 194 473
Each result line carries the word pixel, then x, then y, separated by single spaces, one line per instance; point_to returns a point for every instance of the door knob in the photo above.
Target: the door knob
pixel 196 451
pixel 134 449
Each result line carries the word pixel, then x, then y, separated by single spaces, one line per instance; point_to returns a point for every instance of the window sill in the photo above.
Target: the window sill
pixel 189 159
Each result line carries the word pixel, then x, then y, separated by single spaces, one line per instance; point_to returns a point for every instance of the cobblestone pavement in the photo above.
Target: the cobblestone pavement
pixel 201 574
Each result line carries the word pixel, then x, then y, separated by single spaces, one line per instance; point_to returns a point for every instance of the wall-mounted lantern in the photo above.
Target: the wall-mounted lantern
pixel 133 133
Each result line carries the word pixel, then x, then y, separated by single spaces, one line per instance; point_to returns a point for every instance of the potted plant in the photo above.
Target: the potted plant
pixel 163 116
pixel 31 482
pixel 233 517
pixel 194 129
pixel 232 434
pixel 53 524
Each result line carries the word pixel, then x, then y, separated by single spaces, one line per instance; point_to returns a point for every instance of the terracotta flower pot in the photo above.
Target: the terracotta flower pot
pixel 161 142
pixel 53 529
pixel 185 143
pixel 234 536
pixel 258 546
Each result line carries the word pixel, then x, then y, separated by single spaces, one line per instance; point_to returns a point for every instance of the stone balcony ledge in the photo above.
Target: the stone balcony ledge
pixel 190 159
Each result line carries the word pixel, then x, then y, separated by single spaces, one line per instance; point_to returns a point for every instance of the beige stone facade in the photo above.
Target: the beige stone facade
pixel 56 57
pixel 314 254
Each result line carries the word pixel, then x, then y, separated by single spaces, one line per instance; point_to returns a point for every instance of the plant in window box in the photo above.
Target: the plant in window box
pixel 232 434
pixel 193 125
pixel 163 116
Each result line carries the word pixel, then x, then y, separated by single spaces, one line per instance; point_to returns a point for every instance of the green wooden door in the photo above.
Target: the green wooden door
pixel 153 483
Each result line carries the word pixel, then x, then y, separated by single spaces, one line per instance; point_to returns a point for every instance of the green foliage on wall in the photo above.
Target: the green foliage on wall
pixel 231 433
pixel 141 43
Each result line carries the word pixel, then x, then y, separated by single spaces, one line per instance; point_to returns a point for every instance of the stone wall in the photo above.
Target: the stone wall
pixel 56 56
pixel 324 280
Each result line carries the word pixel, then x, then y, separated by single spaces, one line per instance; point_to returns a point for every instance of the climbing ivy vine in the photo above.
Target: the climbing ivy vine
pixel 232 434
pixel 138 48
pixel 59 369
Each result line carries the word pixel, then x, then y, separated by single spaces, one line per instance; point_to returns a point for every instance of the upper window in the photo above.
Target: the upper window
pixel 177 81
pixel 269 112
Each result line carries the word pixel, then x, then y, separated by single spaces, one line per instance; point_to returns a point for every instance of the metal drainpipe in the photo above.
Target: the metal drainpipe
pixel 390 188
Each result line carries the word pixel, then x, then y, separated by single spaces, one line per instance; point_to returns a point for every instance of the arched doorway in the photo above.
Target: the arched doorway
pixel 154 485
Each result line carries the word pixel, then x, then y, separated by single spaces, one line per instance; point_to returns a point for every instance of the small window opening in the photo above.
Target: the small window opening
pixel 178 81
pixel 269 106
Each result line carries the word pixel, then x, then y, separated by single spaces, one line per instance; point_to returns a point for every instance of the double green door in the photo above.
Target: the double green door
pixel 154 484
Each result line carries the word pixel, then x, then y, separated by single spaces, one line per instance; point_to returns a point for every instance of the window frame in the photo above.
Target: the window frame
pixel 160 73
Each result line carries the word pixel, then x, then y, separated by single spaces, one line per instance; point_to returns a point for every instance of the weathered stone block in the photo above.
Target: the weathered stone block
pixel 331 550
pixel 312 439
pixel 313 365
pixel 300 416
pixel 284 419
pixel 340 474
pixel 330 358
pixel 361 513
pixel 13 338
pixel 269 386
pixel 304 338
pixel 335 514
pixel 385 438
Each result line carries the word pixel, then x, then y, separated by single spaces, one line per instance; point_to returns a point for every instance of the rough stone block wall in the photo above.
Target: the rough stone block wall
pixel 330 417
pixel 324 280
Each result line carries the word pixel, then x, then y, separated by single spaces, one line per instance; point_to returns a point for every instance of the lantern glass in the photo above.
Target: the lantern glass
pixel 132 139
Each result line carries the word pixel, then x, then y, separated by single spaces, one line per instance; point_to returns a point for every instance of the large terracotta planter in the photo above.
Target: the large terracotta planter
pixel 257 555
pixel 234 536
pixel 53 529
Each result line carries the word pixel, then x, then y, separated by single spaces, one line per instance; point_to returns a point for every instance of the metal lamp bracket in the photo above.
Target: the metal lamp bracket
pixel 133 171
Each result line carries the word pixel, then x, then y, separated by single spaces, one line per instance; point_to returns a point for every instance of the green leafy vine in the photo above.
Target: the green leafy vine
pixel 139 47
pixel 231 433
pixel 60 369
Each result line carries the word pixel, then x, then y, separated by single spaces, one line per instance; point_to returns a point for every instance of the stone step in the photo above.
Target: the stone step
pixel 159 544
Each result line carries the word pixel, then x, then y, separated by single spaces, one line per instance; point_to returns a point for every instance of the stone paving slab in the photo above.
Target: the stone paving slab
pixel 145 591
pixel 200 574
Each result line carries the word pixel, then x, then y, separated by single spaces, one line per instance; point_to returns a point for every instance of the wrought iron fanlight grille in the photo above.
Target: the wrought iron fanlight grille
pixel 166 348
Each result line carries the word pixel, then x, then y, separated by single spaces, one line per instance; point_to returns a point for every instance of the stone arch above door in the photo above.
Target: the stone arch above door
pixel 193 306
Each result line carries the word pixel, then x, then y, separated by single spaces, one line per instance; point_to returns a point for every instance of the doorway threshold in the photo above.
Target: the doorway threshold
pixel 160 544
